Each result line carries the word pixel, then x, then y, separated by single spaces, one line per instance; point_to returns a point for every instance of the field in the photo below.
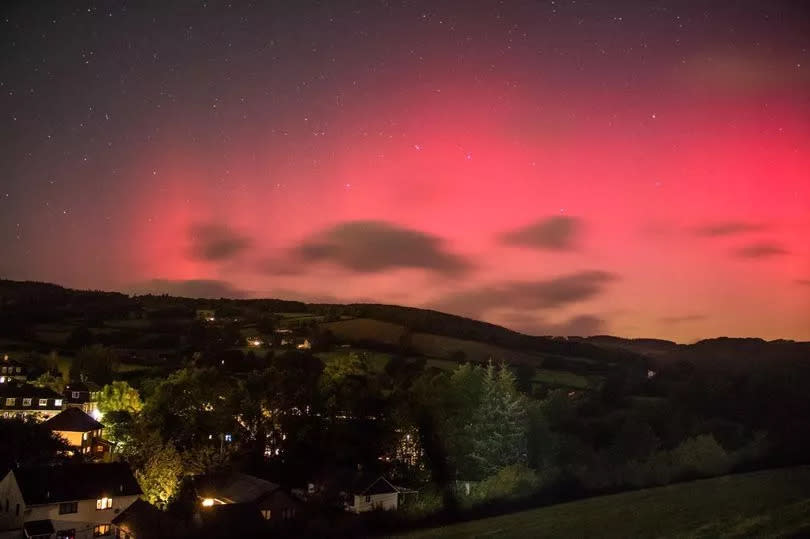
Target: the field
pixel 771 503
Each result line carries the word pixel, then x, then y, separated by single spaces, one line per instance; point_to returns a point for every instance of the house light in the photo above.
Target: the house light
pixel 96 414
pixel 255 342
pixel 208 502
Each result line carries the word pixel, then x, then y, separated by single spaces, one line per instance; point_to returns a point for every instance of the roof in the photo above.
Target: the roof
pixel 234 487
pixel 143 519
pixel 73 420
pixel 379 486
pixel 70 482
pixel 27 390
pixel 38 527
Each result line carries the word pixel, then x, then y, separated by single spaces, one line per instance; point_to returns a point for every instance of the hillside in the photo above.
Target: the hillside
pixel 771 503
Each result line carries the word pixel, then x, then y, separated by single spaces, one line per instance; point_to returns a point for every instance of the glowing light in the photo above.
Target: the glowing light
pixel 208 502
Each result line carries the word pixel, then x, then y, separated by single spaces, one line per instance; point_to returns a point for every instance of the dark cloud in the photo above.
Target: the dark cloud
pixel 682 319
pixel 762 249
pixel 192 288
pixel 547 294
pixel 558 233
pixel 375 246
pixel 583 325
pixel 728 228
pixel 216 243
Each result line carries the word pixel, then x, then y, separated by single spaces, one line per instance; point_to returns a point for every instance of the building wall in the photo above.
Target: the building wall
pixel 82 521
pixel 386 502
pixel 73 438
pixel 10 491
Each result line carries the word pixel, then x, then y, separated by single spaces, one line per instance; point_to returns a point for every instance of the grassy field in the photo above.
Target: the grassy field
pixel 771 503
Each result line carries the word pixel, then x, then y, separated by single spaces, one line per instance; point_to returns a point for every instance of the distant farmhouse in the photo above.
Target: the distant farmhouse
pixel 75 501
pixel 377 494
pixel 206 315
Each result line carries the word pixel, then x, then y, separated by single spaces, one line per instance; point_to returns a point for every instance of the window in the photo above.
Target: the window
pixel 26 402
pixel 68 507
pixel 19 370
pixel 10 401
pixel 84 436
pixel 57 402
pixel 74 395
pixel 43 402
pixel 266 514
pixel 101 530
pixel 103 503
pixel 66 534
pixel 368 499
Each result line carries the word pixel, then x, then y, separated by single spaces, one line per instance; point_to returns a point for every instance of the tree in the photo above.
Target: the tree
pixel 159 478
pixel 27 442
pixel 498 428
pixel 119 396
pixel 96 363
pixel 50 381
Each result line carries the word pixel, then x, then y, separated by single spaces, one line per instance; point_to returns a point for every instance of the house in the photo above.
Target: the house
pixel 206 315
pixel 141 520
pixel 75 501
pixel 373 495
pixel 12 370
pixel 258 500
pixel 82 433
pixel 26 400
pixel 83 395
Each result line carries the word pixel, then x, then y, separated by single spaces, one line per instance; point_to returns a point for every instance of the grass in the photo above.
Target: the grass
pixel 771 503
pixel 560 379
pixel 375 361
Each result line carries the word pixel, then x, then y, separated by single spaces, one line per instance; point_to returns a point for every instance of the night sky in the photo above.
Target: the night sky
pixel 633 168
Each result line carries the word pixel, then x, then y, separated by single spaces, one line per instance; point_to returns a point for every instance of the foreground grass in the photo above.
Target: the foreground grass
pixel 771 503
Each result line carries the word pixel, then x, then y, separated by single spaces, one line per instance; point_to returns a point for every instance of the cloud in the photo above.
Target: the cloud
pixel 191 288
pixel 376 246
pixel 803 282
pixel 762 249
pixel 728 228
pixel 682 319
pixel 548 294
pixel 215 243
pixel 557 233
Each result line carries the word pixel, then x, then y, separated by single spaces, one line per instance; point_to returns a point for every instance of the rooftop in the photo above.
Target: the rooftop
pixel 55 484
pixel 234 488
pixel 73 420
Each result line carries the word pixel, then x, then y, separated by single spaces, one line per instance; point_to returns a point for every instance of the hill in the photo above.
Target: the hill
pixel 771 503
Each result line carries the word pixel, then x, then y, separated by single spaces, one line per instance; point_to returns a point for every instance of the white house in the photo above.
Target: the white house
pixel 379 494
pixel 76 501
pixel 26 400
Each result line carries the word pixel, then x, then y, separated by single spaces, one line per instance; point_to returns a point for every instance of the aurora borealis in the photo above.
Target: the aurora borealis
pixel 633 168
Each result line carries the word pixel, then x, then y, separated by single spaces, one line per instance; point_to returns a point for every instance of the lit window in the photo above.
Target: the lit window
pixel 266 514
pixel 19 370
pixel 10 401
pixel 74 395
pixel 228 438
pixel 84 436
pixel 43 402
pixel 26 402
pixel 103 503
pixel 57 402
pixel 208 502
pixel 101 530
